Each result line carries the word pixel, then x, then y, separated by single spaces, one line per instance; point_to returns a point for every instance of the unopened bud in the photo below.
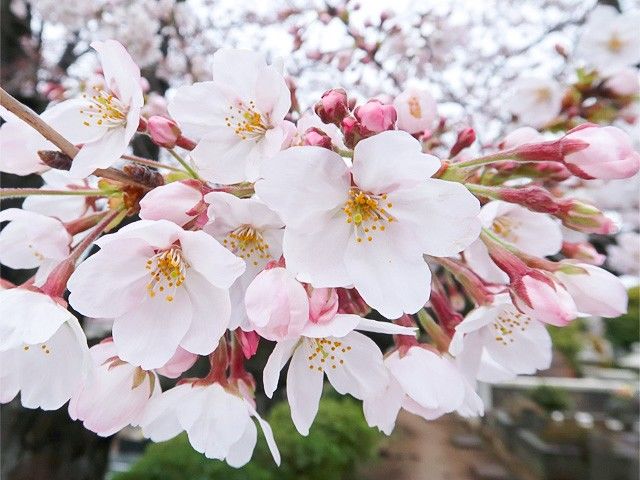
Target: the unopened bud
pixel 352 131
pixel 585 218
pixel 248 342
pixel 333 106
pixel 317 138
pixel 584 252
pixel 163 131
pixel 376 117
pixel 466 137
pixel 533 197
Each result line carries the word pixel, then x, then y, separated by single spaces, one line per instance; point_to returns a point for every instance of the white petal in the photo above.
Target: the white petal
pixel 120 71
pixel 101 153
pixel 223 157
pixel 304 389
pixel 149 335
pixel 339 326
pixel 240 452
pixel 268 434
pixel 275 363
pixel 198 107
pixel 391 160
pixel 376 326
pixel 160 420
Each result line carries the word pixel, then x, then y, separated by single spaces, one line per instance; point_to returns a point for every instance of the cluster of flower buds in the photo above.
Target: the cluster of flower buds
pixel 262 223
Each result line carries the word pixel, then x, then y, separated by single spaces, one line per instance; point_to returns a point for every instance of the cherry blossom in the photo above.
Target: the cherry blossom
pixel 174 201
pixel 610 40
pixel 352 362
pixel 532 233
pixel 357 230
pixel 535 101
pixel 217 421
pixel 250 230
pixel 595 291
pixel 106 118
pixel 538 296
pixel 43 350
pixel 423 383
pixel 172 290
pixel 494 337
pixel 31 240
pixel 115 395
pixel 417 110
pixel 239 116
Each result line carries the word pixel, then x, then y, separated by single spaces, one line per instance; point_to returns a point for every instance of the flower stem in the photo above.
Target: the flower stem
pixel 184 163
pixel 494 157
pixel 150 163
pixel 104 224
pixel 27 192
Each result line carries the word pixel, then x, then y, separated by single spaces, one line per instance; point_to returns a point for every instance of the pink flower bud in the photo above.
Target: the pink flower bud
pixel 376 117
pixel 178 364
pixel 352 130
pixel 533 197
pixel 466 137
pixel 584 252
pixel 538 296
pixel 163 131
pixel 317 138
pixel 323 304
pixel 248 342
pixel 554 151
pixel 333 106
pixel 585 218
pixel 609 153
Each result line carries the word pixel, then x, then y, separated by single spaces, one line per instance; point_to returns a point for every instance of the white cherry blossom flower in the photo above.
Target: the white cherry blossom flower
pixel 533 233
pixel 417 110
pixel 423 383
pixel 535 101
pixel 239 116
pixel 352 362
pixel 217 421
pixel 499 338
pixel 105 119
pixel 250 230
pixel 43 351
pixel 163 286
pixel 610 40
pixel 369 225
pixel 115 395
pixel 31 240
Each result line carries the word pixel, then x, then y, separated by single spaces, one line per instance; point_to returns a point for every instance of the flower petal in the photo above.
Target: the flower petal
pixel 304 389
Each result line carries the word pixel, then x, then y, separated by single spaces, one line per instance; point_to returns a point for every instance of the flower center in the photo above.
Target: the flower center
pixel 168 272
pixel 506 323
pixel 104 109
pixel 248 243
pixel 543 95
pixel 615 43
pixel 325 353
pixel 368 213
pixel 506 227
pixel 246 121
pixel 414 107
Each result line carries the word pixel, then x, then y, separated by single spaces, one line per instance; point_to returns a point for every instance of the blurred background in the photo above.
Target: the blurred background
pixel 577 420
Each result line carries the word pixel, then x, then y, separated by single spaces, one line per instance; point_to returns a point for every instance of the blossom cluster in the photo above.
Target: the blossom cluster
pixel 265 225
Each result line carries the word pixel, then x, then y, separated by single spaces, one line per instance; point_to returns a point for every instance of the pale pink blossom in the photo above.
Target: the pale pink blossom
pixel 369 225
pixel 610 40
pixel 105 120
pixel 250 230
pixel 610 153
pixel 163 131
pixel 530 232
pixel 115 395
pixel 624 257
pixel 595 291
pixel 181 361
pixel 43 351
pixel 239 116
pixel 31 240
pixel 163 286
pixel 423 383
pixel 417 110
pixel 535 101
pixel 521 136
pixel 352 362
pixel 499 338
pixel 538 296
pixel 217 421
pixel 174 201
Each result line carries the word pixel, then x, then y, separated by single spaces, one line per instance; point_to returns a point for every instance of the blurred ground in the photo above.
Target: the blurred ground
pixel 444 449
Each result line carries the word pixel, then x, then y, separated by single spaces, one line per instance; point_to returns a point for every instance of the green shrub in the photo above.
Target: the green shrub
pixel 569 341
pixel 624 331
pixel 551 398
pixel 339 440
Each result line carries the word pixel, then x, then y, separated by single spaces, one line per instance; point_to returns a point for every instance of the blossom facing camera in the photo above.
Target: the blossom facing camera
pixel 167 288
pixel 369 225
pixel 416 109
